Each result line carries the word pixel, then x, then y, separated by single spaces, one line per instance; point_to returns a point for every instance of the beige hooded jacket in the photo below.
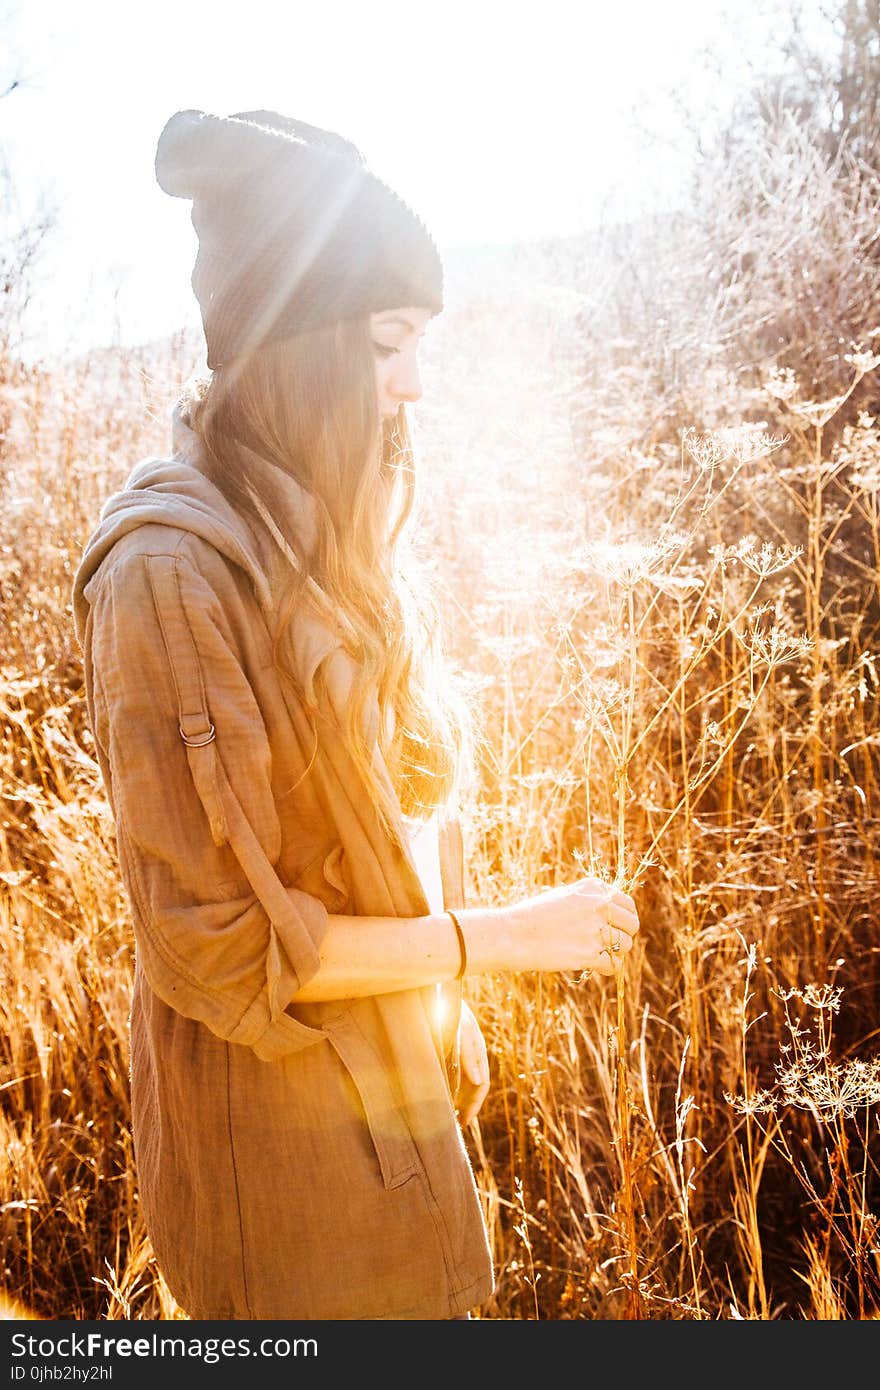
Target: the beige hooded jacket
pixel 294 1161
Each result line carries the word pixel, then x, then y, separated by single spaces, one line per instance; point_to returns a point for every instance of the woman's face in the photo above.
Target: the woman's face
pixel 396 335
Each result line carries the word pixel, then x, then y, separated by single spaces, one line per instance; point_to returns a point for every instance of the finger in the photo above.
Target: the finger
pixel 614 938
pixel 592 888
pixel 470 1100
pixel 476 1075
pixel 471 1082
pixel 475 1066
pixel 622 918
pixel 624 900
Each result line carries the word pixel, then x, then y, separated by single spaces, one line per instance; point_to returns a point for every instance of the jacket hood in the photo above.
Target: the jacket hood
pixel 175 491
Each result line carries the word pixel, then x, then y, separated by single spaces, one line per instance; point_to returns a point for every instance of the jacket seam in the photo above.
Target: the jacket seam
pixel 435 1211
pixel 235 1179
pixel 170 552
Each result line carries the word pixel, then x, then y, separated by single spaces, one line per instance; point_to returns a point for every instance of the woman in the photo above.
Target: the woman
pixel 283 754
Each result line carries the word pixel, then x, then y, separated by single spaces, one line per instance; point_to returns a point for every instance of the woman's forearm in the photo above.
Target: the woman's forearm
pixel 377 955
pixel 586 925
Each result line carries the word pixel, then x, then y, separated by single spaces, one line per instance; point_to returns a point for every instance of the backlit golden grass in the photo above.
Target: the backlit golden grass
pixel 657 553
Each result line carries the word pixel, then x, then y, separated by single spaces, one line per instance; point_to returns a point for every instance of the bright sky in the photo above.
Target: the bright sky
pixel 496 120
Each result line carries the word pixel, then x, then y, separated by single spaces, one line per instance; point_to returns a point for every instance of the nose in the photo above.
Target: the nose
pixel 406 383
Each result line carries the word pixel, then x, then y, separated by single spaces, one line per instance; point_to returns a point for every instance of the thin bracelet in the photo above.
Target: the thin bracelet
pixel 462 945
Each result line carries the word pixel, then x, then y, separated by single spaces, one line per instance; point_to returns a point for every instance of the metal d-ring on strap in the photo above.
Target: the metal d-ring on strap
pixel 201 740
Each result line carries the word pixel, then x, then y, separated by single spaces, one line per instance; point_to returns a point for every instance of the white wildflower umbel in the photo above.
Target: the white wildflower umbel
pixel 629 562
pixel 830 1089
pixel 863 360
pixel 772 646
pixel 740 443
pixel 782 384
pixel 807 1077
pixel 765 559
pixel 598 696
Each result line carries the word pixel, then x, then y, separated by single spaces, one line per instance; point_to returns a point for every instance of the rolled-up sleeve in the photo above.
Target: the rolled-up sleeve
pixel 220 937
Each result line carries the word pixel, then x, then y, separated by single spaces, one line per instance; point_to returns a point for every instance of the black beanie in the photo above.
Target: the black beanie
pixel 294 231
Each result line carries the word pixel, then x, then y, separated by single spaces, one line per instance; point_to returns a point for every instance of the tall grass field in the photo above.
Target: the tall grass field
pixel 649 467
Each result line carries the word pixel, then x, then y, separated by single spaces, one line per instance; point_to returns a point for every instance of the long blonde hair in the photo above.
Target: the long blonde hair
pixel 308 405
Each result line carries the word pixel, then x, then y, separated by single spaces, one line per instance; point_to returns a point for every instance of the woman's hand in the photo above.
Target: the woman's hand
pixel 474 1061
pixel 586 925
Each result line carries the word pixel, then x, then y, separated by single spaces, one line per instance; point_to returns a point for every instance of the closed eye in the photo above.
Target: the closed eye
pixel 385 351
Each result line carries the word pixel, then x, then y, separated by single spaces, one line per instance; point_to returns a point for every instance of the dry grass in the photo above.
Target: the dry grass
pixel 658 553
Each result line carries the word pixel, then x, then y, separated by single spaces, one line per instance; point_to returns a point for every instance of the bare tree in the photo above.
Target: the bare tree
pixel 24 229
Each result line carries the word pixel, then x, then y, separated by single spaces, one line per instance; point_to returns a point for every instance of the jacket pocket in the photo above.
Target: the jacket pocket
pixel 392 1140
